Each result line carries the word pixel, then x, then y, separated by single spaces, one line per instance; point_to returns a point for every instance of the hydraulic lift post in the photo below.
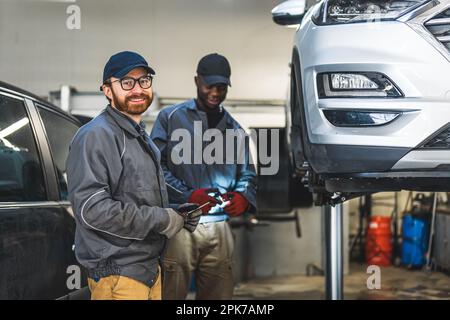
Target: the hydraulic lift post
pixel 334 252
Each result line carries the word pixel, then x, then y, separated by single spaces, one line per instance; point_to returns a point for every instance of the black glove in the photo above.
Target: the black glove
pixel 191 213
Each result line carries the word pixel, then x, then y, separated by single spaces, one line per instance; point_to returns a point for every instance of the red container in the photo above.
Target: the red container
pixel 379 241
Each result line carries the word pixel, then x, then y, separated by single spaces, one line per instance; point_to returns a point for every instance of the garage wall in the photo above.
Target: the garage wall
pixel 275 250
pixel 283 253
pixel 39 53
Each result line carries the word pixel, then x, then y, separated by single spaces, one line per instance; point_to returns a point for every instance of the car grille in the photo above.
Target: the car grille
pixel 441 140
pixel 439 26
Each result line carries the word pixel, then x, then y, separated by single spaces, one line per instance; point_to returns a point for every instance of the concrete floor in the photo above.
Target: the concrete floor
pixel 397 283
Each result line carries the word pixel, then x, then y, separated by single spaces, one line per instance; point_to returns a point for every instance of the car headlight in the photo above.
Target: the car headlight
pixel 356 85
pixel 351 11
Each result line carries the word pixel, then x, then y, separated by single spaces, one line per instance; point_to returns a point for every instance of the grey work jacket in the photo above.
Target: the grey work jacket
pixel 117 190
pixel 182 179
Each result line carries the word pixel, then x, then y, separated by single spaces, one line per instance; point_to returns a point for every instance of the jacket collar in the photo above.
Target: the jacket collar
pixel 122 121
pixel 191 104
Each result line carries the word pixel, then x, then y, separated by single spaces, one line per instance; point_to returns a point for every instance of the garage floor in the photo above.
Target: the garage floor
pixel 396 284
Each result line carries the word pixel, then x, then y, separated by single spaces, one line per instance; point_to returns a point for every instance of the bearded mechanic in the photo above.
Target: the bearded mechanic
pixel 118 192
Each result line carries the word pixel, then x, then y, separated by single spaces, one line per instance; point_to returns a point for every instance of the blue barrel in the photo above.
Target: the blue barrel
pixel 415 241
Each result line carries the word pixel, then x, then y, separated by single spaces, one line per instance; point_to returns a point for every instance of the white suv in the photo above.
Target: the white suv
pixel 369 105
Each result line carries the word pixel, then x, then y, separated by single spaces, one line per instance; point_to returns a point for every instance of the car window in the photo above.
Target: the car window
pixel 21 177
pixel 60 132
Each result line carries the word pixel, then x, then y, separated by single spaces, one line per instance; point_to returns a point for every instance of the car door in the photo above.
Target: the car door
pixel 59 131
pixel 36 230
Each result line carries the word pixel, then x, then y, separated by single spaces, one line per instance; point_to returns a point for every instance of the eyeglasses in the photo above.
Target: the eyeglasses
pixel 128 83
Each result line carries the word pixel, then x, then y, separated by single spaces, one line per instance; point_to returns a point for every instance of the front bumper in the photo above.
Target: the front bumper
pixel 408 54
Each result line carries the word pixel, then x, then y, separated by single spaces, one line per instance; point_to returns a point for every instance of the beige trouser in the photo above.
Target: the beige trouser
pixel 207 252
pixel 124 288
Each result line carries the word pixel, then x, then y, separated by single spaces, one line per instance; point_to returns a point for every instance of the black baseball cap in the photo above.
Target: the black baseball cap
pixel 214 69
pixel 123 62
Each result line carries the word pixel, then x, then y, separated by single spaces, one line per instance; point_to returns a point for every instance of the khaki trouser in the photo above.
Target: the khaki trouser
pixel 207 252
pixel 124 288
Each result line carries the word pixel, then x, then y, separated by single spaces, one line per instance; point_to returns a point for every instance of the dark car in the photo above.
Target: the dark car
pixel 37 226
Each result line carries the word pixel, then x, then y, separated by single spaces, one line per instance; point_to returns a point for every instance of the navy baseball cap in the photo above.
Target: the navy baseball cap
pixel 123 62
pixel 214 69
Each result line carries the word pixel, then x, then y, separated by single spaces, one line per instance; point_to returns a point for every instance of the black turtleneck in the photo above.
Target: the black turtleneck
pixel 214 116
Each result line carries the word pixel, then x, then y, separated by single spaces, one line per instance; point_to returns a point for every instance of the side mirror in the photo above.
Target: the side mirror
pixel 289 12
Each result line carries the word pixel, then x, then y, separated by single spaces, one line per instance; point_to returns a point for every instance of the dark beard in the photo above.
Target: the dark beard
pixel 134 110
pixel 203 105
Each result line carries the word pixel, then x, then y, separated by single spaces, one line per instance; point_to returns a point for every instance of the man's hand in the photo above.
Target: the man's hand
pixel 238 204
pixel 190 224
pixel 176 223
pixel 191 213
pixel 201 197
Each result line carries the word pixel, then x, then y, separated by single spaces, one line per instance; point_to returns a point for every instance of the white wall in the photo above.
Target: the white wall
pixel 39 53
